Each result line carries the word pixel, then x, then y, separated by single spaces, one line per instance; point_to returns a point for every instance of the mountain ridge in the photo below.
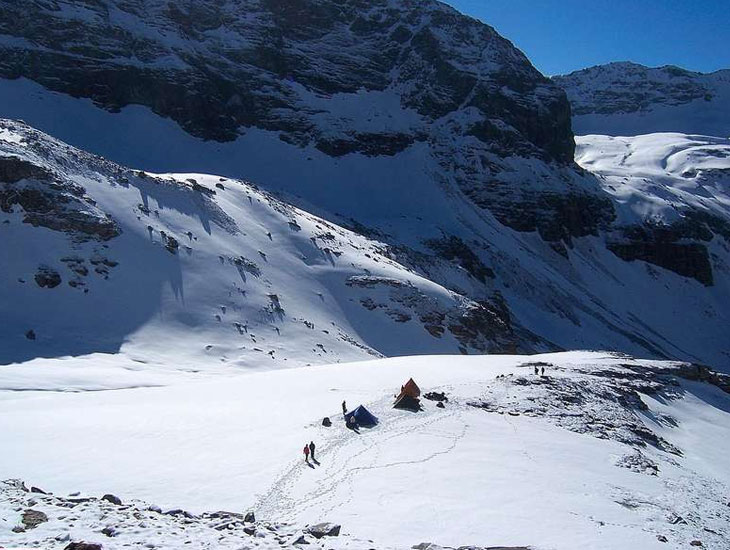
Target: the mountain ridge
pixel 626 98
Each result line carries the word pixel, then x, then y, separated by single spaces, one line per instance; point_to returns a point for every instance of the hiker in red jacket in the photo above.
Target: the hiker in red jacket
pixel 306 453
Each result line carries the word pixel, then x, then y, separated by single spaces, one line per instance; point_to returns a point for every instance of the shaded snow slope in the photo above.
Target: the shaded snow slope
pixel 471 282
pixel 196 271
pixel 627 99
pixel 603 451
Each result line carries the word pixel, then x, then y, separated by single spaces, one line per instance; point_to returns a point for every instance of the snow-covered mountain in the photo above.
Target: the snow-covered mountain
pixel 204 269
pixel 197 271
pixel 420 131
pixel 627 99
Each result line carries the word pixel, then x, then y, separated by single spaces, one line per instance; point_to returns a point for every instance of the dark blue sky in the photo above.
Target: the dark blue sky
pixel 560 36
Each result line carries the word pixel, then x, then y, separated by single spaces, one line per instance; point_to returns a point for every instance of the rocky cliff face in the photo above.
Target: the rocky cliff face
pixel 218 68
pixel 403 121
pixel 630 99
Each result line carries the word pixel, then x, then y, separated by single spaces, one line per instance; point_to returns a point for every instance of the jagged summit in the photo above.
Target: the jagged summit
pixel 625 98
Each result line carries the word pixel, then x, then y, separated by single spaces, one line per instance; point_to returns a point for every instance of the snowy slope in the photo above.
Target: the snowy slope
pixel 194 271
pixel 532 295
pixel 660 176
pixel 604 451
pixel 627 99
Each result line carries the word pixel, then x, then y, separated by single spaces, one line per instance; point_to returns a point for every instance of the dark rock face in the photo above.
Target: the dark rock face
pixel 49 201
pixel 557 216
pixel 453 248
pixel 629 87
pixel 688 260
pixel 625 89
pixel 327 46
pixel 217 67
pixel 678 247
pixel 47 277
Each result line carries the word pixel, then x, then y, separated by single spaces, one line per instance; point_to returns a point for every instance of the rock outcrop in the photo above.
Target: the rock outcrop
pixel 217 68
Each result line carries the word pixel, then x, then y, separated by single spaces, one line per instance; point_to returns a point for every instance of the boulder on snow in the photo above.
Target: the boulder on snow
pixel 325 529
pixel 47 277
pixel 33 518
pixel 110 531
pixel 250 517
pixel 82 546
pixel 113 499
pixel 326 422
pixel 38 490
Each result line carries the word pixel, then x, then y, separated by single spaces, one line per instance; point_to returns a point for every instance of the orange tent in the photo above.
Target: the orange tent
pixel 411 389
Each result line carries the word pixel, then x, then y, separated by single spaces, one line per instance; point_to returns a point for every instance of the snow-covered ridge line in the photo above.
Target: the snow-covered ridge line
pixel 628 99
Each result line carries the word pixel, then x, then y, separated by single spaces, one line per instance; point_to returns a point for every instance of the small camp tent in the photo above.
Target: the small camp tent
pixel 405 401
pixel 408 397
pixel 411 389
pixel 363 417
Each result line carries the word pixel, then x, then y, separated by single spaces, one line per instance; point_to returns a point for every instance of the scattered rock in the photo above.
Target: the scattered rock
pixel 440 405
pixel 113 499
pixel 661 538
pixel 324 530
pixel 326 422
pixel 47 277
pixel 82 546
pixel 33 518
pixel 37 490
pixel 301 540
pixel 110 531
pixel 249 530
pixel 249 517
pixel 435 396
pixel 696 543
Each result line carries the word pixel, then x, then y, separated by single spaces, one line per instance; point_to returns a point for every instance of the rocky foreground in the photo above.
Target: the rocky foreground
pixel 43 520
pixel 80 522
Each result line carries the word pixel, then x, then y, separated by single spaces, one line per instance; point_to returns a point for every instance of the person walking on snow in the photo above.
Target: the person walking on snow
pixel 311 450
pixel 542 373
pixel 306 453
pixel 344 408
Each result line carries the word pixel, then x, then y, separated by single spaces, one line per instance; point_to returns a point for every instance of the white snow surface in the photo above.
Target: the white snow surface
pixel 655 176
pixel 454 476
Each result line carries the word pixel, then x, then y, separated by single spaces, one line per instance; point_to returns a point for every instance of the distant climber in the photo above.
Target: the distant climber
pixel 344 408
pixel 306 453
pixel 312 446
pixel 536 370
pixel 542 371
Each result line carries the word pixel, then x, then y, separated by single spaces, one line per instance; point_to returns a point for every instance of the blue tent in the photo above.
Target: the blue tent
pixel 363 417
